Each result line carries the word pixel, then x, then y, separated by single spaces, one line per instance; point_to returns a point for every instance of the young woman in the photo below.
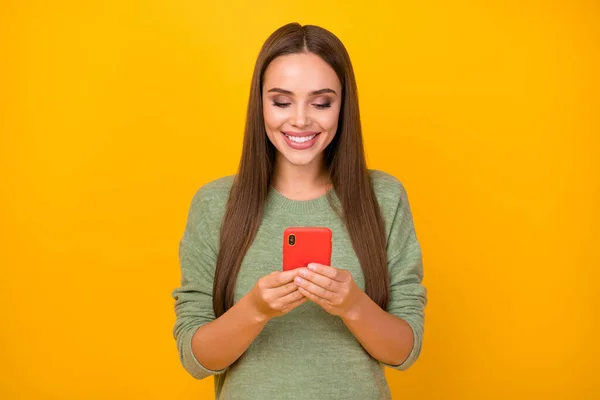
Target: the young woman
pixel 322 332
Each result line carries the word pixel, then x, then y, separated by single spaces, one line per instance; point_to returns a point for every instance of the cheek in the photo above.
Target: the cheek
pixel 329 121
pixel 274 117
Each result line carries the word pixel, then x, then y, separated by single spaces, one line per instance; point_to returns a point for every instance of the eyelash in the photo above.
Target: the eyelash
pixel 319 106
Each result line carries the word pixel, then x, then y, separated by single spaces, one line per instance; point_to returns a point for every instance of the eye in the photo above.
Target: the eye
pixel 281 105
pixel 322 105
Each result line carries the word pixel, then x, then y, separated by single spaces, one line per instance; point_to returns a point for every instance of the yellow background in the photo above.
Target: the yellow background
pixel 113 114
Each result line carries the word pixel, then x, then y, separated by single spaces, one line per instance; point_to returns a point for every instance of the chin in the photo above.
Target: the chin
pixel 300 157
pixel 299 160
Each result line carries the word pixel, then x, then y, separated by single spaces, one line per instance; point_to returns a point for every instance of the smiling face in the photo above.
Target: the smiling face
pixel 301 107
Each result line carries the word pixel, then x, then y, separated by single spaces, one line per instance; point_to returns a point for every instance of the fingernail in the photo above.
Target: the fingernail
pixel 312 266
pixel 298 279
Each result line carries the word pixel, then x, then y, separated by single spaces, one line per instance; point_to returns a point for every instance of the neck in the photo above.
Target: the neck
pixel 303 182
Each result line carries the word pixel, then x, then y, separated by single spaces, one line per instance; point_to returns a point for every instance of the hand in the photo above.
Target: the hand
pixel 275 294
pixel 331 288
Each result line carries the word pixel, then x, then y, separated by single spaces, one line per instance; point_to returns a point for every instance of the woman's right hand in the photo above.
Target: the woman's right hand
pixel 276 294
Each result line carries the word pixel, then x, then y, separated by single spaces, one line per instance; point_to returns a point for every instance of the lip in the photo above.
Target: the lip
pixel 300 146
pixel 300 134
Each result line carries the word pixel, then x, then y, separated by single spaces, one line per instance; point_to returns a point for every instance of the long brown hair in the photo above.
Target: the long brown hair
pixel 344 161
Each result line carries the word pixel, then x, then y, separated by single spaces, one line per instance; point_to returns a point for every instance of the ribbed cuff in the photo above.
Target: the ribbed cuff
pixel 414 353
pixel 191 363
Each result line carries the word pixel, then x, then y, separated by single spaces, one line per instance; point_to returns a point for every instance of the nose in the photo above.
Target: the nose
pixel 300 118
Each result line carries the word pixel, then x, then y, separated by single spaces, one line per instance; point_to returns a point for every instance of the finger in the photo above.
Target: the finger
pixel 287 276
pixel 319 280
pixel 284 290
pixel 291 297
pixel 278 278
pixel 325 270
pixel 312 288
pixel 296 303
pixel 314 298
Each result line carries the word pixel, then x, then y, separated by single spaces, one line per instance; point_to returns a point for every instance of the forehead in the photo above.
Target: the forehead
pixel 300 73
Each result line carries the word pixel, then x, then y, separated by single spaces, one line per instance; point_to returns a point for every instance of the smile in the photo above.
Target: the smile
pixel 300 140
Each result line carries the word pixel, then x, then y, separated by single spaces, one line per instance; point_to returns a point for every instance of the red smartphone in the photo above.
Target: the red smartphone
pixel 304 244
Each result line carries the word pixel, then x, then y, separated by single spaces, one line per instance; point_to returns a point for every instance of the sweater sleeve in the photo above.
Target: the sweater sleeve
pixel 193 299
pixel 408 296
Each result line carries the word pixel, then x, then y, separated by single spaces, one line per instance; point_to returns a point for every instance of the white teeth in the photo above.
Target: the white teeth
pixel 300 139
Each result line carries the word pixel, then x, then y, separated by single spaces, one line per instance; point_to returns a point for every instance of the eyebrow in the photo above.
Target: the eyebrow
pixel 314 93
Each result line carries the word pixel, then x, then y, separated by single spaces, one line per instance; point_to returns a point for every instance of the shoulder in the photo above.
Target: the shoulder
pixel 216 188
pixel 391 196
pixel 394 207
pixel 387 188
pixel 211 198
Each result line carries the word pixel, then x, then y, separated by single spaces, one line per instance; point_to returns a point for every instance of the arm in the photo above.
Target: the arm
pixel 393 336
pixel 384 336
pixel 207 345
pixel 408 295
pixel 193 298
pixel 218 344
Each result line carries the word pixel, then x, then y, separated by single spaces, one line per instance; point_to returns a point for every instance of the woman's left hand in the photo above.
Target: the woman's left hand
pixel 332 288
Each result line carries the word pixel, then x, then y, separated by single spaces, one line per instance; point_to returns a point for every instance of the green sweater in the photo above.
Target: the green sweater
pixel 307 353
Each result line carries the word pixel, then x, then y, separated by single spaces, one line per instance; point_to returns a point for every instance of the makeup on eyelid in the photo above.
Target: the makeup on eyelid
pixel 319 103
pixel 301 107
pixel 287 104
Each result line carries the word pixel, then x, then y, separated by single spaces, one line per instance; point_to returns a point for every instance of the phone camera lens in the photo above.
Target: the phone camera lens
pixel 292 240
